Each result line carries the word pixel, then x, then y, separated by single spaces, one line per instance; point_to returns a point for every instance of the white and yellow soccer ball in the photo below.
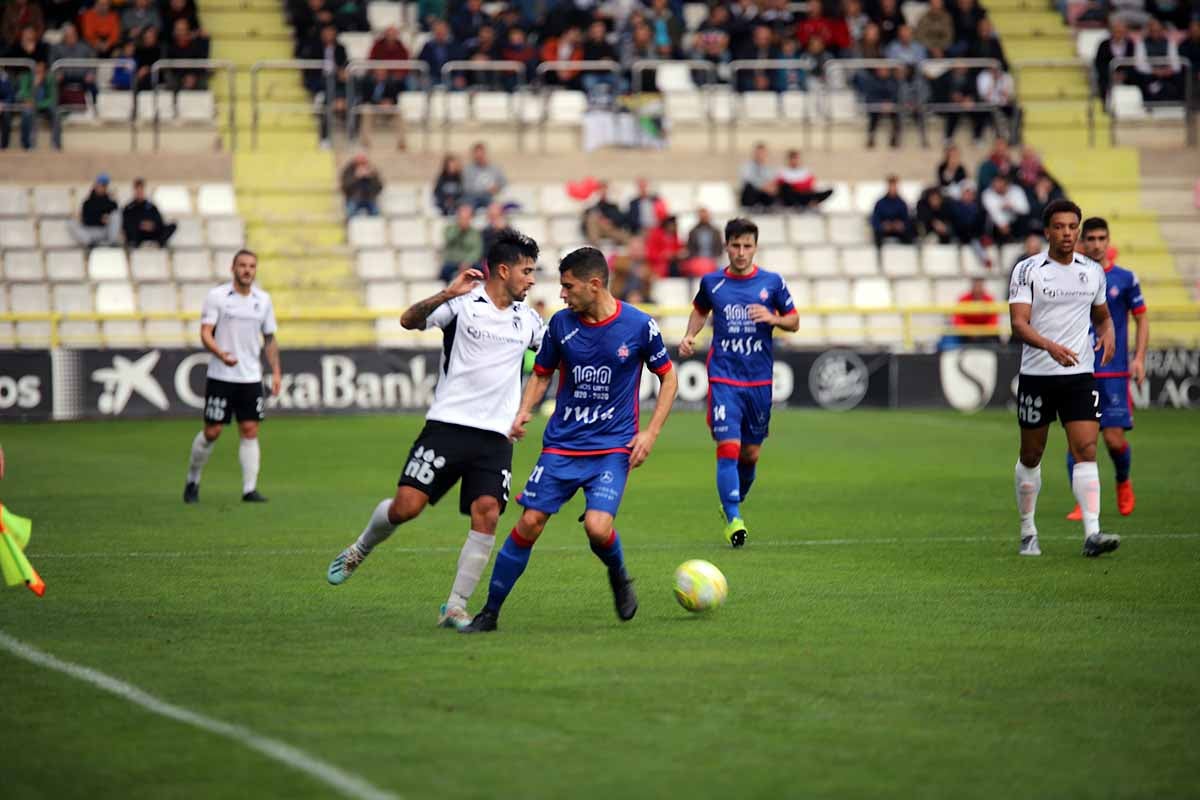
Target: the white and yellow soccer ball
pixel 700 586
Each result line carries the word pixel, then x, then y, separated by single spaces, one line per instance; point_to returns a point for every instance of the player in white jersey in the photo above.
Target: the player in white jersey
pixel 1054 298
pixel 237 325
pixel 487 329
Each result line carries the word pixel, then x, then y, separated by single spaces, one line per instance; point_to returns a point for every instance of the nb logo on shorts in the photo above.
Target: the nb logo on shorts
pixel 1029 409
pixel 215 408
pixel 423 464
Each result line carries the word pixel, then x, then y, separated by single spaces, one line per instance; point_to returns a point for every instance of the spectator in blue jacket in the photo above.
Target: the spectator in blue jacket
pixel 890 219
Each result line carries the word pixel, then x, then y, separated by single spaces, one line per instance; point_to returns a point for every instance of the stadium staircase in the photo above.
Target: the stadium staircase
pixel 1105 180
pixel 293 219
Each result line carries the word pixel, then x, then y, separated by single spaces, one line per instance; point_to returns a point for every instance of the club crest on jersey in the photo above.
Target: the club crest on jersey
pixel 763 295
pixel 1083 278
pixel 622 352
pixel 1114 291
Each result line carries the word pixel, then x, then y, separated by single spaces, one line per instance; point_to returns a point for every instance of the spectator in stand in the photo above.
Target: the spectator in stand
pixel 124 74
pixel 29 46
pixel 497 222
pixel 1162 81
pixel 1043 192
pixel 987 44
pixel 797 186
pixel 970 220
pixel 881 93
pixel 977 294
pixel 889 19
pixel 148 51
pixel 462 247
pixel 449 189
pixel 1190 49
pixel 1029 168
pixel 1176 14
pixel 705 244
pixel 333 56
pixel 856 22
pixel 646 210
pixel 186 43
pixel 1032 245
pixel 833 30
pixel 967 14
pixel 638 47
pixel 138 17
pixel 485 48
pixel 630 276
pixel 870 45
pixel 934 217
pixel 891 219
pixel 518 48
pixel 936 28
pixel 905 49
pixel 142 221
pixel 38 96
pixel 762 46
pixel 482 180
pixel 567 47
pixel 18 15
pixel 99 219
pixel 951 174
pixel 467 21
pixel 439 51
pixel 995 87
pixel 998 162
pixel 1007 208
pixel 185 10
pixel 1131 12
pixel 955 86
pixel 596 47
pixel 605 222
pixel 75 85
pixel 795 79
pixel 351 15
pixel 1117 45
pixel 818 55
pixel 760 186
pixel 664 248
pixel 101 28
pixel 361 187
pixel 383 86
pixel 8 103
pixel 668 28
pixel 712 45
pixel 309 19
pixel 777 14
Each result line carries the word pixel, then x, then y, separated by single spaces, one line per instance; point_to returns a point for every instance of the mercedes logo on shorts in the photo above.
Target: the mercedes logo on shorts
pixel 838 380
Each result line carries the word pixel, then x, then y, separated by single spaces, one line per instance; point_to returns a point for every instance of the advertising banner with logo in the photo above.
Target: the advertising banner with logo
pixel 25 385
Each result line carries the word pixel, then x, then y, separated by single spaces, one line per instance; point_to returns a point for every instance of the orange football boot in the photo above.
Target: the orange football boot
pixel 1076 515
pixel 1125 498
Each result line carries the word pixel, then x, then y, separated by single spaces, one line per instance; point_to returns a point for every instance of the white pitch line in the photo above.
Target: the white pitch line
pixel 339 780
pixel 782 543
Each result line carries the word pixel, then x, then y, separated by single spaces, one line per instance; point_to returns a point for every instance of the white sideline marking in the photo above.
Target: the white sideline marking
pixel 783 543
pixel 340 781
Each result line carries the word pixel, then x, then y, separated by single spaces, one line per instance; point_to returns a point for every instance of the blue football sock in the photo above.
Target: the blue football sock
pixel 1070 468
pixel 611 554
pixel 727 487
pixel 746 473
pixel 510 563
pixel 1123 461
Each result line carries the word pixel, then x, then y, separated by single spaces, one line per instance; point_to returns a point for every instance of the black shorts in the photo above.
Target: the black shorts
pixel 223 399
pixel 444 454
pixel 1071 398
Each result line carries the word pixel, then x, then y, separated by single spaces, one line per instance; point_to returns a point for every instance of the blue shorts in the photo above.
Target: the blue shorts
pixel 1116 404
pixel 556 478
pixel 741 413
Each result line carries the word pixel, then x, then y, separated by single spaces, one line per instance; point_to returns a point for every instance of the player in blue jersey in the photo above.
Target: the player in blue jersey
pixel 747 304
pixel 1112 380
pixel 598 345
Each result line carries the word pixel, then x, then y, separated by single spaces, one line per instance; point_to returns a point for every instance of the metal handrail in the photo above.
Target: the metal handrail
pixel 851 65
pixel 1185 65
pixel 20 63
pixel 194 63
pixel 757 64
pixel 604 65
pixel 516 68
pixel 365 65
pixel 64 64
pixel 299 64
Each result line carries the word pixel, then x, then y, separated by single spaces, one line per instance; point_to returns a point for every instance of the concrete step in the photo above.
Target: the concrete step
pixel 1009 23
pixel 1033 48
pixel 247 24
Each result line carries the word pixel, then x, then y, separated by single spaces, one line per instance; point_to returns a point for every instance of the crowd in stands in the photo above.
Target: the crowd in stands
pixel 103 222
pixel 1161 37
pixel 134 36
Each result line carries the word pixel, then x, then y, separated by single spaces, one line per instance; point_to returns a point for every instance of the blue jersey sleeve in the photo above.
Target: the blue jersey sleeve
pixel 657 358
pixel 1133 296
pixel 782 297
pixel 703 300
pixel 549 354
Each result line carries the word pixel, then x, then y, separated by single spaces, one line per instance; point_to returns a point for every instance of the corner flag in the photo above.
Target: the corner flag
pixel 14 537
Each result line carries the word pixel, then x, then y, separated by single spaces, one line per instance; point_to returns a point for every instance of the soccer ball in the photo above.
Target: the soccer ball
pixel 700 586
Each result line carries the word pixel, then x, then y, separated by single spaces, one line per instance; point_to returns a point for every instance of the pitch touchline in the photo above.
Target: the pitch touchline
pixel 566 548
pixel 342 782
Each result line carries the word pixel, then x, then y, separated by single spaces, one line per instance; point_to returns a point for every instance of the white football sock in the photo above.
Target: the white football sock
pixel 378 528
pixel 201 450
pixel 476 551
pixel 1029 484
pixel 1085 484
pixel 248 456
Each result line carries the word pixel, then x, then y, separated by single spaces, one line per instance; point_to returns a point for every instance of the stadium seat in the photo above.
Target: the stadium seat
pixel 1087 42
pixel 780 259
pixel 358 45
pixel 796 105
pixel 195 106
pixel 52 201
pixel 847 229
pixel 899 260
pixel 146 104
pixel 912 292
pixel 107 264
pixel 190 233
pixel 8 332
pixel 860 261
pixel 940 260
pixel 530 225
pixel 14 201
pixel 718 197
pixel 388 296
pixel 771 231
pixel 367 232
pixel 1010 254
pixel 114 106
pixel 721 104
pixel 565 230
pixel 845 329
pixel 1125 102
pixel 760 107
pixel 23 265
pixel 523 195
pixel 674 77
pixel 684 107
pixel 166 333
pixel 149 264
pixel 841 201
pixel 17 233
pixel 872 293
pixel 157 298
pixel 399 201
pixel 530 107
pixel 216 200
pixel 409 232
pixel 418 265
pixel 820 261
pixel 414 106
pixel 191 296
pixel 801 291
pixel 867 194
pixel 74 298
pixel 373 265
pixel 172 200
pixel 115 297
pixel 830 292
pixel 946 291
pixel 805 229
pixel 492 107
pixel 843 105
pixel 382 14
pixel 65 265
pixel 555 200
pixel 31 298
pixel 54 233
pixel 680 197
pixel 450 106
pixel 228 232
pixel 673 292
pixel 566 107
pixel 911 192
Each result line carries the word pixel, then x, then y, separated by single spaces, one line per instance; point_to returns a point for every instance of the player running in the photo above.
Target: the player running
pixel 486 329
pixel 237 325
pixel 1116 404
pixel 749 303
pixel 1053 296
pixel 598 345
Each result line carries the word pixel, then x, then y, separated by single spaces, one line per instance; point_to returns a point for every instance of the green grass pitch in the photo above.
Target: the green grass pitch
pixel 881 638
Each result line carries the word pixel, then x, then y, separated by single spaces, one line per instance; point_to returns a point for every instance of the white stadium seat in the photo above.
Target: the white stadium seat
pixel 771 230
pixel 149 264
pixel 847 229
pixel 216 200
pixel 418 265
pixel 14 201
pixel 860 261
pixel 566 107
pixel 195 106
pixel 831 292
pixel 565 230
pixel 191 296
pixel 373 265
pixel 797 105
pixel 492 107
pixel 23 265
pixel 1125 102
pixel 55 233
pixel 414 106
pixel 391 296
pixel 820 261
pixel 146 105
pixel 227 232
pixel 65 265
pixel 912 292
pixel 805 229
pixel 940 260
pixel 899 260
pixel 190 233
pixel 172 200
pixel 17 233
pixel 400 201
pixel 717 197
pixel 783 260
pixel 407 232
pixel 157 298
pixel 52 201
pixel 841 201
pixel 683 107
pixel 760 106
pixel 673 292
pixel 555 200
pixel 367 232
pixel 680 197
pixel 358 45
pixel 531 225
pixel 114 106
pixel 872 293
pixel 383 14
pixel 107 264
pixel 31 298
pixel 867 194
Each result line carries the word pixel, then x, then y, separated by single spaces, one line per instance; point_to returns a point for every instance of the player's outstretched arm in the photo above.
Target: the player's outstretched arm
pixel 210 344
pixel 535 390
pixel 1137 368
pixel 271 348
pixel 1020 315
pixel 696 320
pixel 643 442
pixel 413 319
pixel 1106 341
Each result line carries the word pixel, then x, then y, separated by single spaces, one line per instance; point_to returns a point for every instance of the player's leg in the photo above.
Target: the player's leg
pixel 249 406
pixel 603 489
pixel 1080 413
pixel 1121 453
pixel 756 421
pixel 1035 410
pixel 725 422
pixel 218 412
pixel 1116 417
pixel 385 518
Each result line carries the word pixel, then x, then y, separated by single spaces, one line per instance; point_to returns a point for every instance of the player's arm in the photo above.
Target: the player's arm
pixel 271 348
pixel 643 442
pixel 413 319
pixel 1138 367
pixel 535 390
pixel 210 344
pixel 1020 315
pixel 1106 341
pixel 695 324
pixel 789 322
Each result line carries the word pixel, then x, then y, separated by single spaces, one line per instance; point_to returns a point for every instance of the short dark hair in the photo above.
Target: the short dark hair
pixel 585 263
pixel 1094 224
pixel 740 226
pixel 510 247
pixel 243 252
pixel 1060 206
